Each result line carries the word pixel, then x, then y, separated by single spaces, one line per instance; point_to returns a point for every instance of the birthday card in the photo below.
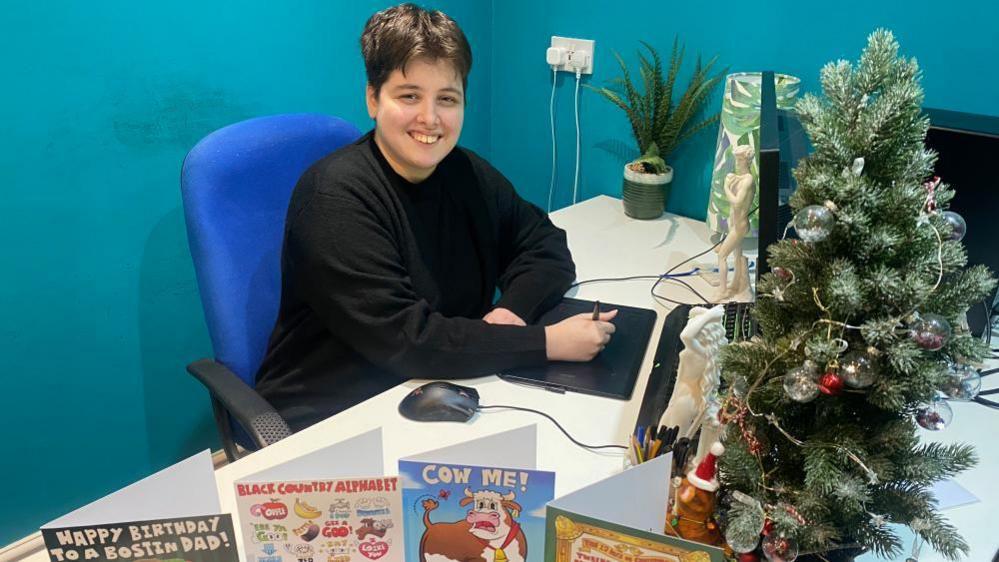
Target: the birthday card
pixel 172 515
pixel 620 519
pixel 482 499
pixel 321 507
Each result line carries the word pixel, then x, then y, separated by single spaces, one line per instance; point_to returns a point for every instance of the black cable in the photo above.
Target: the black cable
pixel 688 260
pixel 558 425
pixel 989 328
pixel 692 258
pixel 986 402
pixel 657 296
pixel 669 300
pixel 691 289
pixel 605 279
pixel 699 295
pixel 666 277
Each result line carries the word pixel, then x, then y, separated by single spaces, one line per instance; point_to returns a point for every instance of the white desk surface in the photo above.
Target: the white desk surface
pixel 604 243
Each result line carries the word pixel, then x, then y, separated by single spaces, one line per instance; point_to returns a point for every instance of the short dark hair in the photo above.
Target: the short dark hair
pixel 394 36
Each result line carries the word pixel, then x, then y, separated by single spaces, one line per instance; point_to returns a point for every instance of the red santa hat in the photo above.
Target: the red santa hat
pixel 704 476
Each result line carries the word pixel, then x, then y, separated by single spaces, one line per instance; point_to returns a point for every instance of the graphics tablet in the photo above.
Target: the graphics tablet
pixel 613 372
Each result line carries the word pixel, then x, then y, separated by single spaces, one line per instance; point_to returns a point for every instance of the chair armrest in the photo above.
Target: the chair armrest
pixel 260 420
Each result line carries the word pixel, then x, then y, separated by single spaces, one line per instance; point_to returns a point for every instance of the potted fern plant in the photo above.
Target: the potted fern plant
pixel 659 123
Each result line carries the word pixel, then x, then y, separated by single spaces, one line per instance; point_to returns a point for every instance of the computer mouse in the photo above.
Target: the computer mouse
pixel 440 401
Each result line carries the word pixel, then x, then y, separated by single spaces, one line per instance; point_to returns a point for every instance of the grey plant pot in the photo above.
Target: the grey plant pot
pixel 645 195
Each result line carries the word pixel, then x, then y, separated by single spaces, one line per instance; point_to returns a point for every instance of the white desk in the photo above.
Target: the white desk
pixel 604 243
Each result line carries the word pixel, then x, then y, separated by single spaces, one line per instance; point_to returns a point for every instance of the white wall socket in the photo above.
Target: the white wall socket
pixel 578 53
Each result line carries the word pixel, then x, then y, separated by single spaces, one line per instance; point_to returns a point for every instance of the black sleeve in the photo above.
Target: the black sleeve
pixel 536 268
pixel 350 270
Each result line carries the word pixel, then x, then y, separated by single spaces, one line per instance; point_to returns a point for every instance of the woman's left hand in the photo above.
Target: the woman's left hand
pixel 503 316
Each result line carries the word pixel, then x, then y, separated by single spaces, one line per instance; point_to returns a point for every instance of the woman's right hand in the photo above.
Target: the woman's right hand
pixel 579 337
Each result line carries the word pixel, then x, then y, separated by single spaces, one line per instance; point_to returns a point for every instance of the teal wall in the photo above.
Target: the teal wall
pixel 100 310
pixel 957 45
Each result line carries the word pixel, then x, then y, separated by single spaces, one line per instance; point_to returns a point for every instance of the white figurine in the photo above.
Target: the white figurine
pixel 740 189
pixel 695 394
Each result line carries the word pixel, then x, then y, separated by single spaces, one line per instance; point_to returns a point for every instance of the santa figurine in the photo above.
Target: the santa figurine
pixel 691 515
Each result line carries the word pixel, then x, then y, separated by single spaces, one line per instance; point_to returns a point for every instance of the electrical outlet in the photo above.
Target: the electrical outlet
pixel 575 54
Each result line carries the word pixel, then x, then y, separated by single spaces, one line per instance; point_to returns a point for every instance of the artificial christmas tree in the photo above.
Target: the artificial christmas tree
pixel 861 324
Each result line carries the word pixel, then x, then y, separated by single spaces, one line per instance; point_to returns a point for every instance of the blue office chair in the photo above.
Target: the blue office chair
pixel 236 184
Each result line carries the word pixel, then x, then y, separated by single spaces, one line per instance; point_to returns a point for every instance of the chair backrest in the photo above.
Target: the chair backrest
pixel 236 184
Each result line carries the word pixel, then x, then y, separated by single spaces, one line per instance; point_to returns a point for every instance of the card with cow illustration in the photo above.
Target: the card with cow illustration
pixel 172 515
pixel 331 505
pixel 461 504
pixel 618 519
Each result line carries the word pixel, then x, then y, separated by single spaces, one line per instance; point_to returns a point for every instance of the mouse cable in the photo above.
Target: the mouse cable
pixel 558 425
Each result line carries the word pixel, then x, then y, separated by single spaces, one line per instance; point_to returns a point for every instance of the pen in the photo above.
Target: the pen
pixel 638 450
pixel 654 449
pixel 596 310
pixel 661 434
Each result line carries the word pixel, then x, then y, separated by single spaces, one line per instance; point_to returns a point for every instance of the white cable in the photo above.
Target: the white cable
pixel 551 115
pixel 575 182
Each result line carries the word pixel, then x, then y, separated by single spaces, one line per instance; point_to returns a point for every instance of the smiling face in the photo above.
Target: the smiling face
pixel 418 116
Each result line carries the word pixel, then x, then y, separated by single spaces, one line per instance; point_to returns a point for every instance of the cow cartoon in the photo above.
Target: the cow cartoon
pixel 488 533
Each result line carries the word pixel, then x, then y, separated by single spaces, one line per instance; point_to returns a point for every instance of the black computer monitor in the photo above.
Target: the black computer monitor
pixel 782 143
pixel 967 147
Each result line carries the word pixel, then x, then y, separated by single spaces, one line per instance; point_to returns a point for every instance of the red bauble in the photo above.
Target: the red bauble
pixel 768 527
pixel 781 273
pixel 749 557
pixel 831 383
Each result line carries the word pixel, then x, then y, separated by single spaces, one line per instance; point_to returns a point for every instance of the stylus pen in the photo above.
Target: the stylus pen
pixel 596 310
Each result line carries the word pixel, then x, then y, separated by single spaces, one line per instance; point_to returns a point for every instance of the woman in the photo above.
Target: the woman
pixel 395 245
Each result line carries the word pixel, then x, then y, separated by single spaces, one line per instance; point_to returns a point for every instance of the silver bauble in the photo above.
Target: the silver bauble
pixel 814 223
pixel 958 227
pixel 800 385
pixel 740 386
pixel 963 383
pixel 930 332
pixel 934 415
pixel 779 548
pixel 739 543
pixel 857 369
